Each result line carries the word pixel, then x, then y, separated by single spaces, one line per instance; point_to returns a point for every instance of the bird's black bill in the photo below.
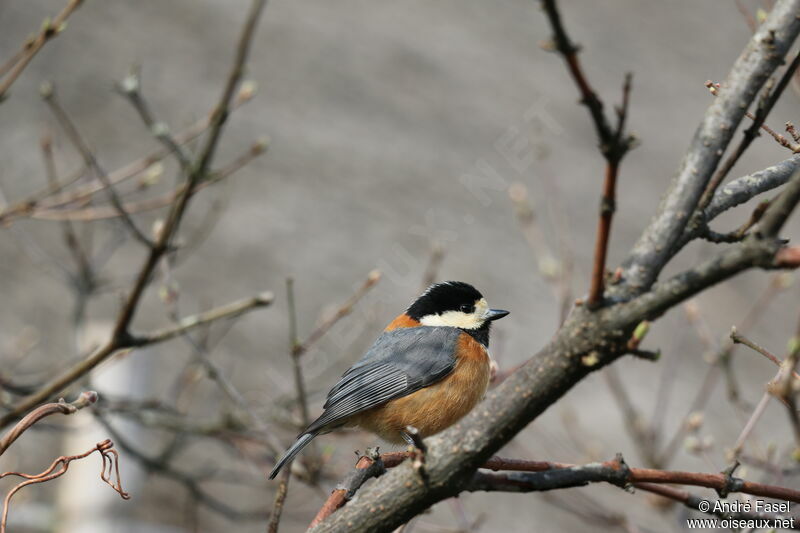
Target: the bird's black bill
pixel 495 314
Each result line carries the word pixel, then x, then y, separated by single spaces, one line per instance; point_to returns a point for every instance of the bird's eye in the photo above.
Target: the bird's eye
pixel 467 309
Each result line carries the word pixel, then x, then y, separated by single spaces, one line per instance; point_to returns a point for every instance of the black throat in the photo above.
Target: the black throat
pixel 480 334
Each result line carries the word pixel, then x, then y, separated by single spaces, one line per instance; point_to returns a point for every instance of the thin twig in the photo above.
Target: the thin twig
pixel 85 275
pixel 738 338
pixel 48 198
pixel 109 473
pixel 49 30
pixel 614 144
pixel 764 107
pixel 780 386
pixel 297 367
pixel 48 93
pixel 92 213
pixel 120 336
pixel 435 259
pixel 280 499
pixel 557 272
pixel 607 206
pixel 188 481
pixel 720 361
pixel 130 87
pixel 345 309
pixel 184 325
pixel 613 156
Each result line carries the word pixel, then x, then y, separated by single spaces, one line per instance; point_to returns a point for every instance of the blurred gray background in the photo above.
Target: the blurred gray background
pixel 375 113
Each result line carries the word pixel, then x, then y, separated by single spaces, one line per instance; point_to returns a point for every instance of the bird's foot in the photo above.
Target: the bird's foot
pixel 416 449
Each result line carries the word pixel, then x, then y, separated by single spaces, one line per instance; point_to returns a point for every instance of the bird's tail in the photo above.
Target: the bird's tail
pixel 301 443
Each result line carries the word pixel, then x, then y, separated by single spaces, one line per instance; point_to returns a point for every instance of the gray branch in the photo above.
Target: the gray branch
pixel 763 54
pixel 745 188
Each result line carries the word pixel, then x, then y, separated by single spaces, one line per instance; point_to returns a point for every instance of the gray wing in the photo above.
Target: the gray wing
pixel 400 362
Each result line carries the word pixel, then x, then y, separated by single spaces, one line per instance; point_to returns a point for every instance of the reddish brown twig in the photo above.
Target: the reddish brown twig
pixel 614 144
pixel 603 236
pixel 86 398
pixel 788 257
pixel 561 475
pixel 109 473
pixel 49 30
pixel 758 120
pixel 368 466
pixel 721 482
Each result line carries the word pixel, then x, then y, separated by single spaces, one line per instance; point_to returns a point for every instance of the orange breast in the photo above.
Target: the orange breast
pixel 438 406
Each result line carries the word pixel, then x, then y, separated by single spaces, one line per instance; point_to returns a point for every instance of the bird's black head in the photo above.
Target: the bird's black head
pixel 455 304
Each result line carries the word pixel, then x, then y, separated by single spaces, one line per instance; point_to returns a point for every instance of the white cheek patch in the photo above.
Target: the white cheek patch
pixel 459 319
pixel 453 319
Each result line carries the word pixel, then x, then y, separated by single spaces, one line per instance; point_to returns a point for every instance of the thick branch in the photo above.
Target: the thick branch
pixel 586 342
pixel 761 57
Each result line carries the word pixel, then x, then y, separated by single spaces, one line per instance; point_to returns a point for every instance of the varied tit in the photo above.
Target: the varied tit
pixel 427 370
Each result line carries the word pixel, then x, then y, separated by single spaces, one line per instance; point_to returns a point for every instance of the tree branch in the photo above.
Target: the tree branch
pixel 49 30
pixel 743 189
pixel 184 325
pixel 760 58
pixel 535 476
pixel 48 93
pixel 121 337
pixel 614 144
pixel 85 399
pixel 764 107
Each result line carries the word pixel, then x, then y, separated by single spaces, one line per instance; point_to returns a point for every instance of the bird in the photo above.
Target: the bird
pixel 428 369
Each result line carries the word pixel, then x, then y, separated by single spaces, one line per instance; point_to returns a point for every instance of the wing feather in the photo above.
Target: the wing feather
pixel 400 362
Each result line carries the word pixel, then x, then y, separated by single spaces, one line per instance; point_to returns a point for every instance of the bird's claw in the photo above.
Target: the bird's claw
pixel 417 449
